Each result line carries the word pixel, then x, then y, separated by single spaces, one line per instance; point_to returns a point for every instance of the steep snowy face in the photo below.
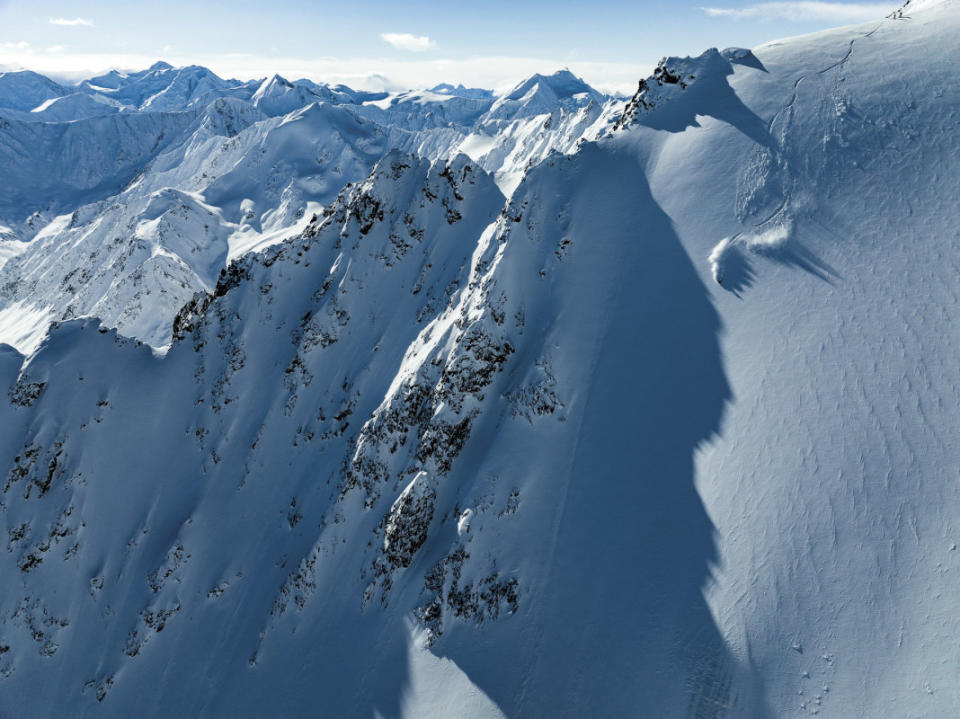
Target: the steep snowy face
pixel 538 429
pixel 273 354
pixel 425 445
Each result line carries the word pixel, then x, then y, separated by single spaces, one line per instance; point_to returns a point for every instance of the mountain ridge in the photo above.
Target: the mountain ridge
pixel 663 429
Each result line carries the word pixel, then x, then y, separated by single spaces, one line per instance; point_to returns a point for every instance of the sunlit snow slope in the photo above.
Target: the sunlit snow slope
pixel 667 433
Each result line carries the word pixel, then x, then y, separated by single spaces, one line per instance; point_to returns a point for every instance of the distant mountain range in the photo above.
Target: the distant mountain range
pixel 190 169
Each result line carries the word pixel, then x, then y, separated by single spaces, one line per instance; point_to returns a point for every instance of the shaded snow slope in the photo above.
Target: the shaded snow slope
pixel 26 90
pixel 51 168
pixel 360 283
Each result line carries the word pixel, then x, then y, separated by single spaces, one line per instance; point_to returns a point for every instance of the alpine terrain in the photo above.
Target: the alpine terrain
pixel 321 402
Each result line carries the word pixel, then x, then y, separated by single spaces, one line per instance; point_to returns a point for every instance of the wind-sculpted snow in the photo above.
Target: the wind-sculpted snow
pixel 830 484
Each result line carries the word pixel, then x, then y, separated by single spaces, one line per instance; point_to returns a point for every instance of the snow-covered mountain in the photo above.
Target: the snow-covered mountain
pixel 664 431
pixel 24 90
pixel 259 161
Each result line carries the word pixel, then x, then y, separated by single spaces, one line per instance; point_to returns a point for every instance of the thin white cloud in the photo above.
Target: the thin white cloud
pixel 71 22
pixel 805 10
pixel 56 48
pixel 22 45
pixel 406 41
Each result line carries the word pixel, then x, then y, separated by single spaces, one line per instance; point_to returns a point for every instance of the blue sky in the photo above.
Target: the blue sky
pixel 492 43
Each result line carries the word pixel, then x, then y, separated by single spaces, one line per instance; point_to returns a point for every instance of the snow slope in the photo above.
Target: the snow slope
pixel 445 452
pixel 832 485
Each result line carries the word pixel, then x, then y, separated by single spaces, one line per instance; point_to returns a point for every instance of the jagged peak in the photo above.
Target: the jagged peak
pixel 562 83
pixel 274 83
pixel 673 75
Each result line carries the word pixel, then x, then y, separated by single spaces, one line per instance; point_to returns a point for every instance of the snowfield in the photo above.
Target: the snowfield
pixel 538 405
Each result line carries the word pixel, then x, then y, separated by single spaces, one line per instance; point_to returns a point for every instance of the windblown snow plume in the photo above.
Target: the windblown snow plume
pixel 719 258
pixel 726 253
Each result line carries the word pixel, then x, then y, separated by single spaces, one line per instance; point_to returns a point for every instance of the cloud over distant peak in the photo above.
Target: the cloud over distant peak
pixel 406 41
pixel 805 10
pixel 71 22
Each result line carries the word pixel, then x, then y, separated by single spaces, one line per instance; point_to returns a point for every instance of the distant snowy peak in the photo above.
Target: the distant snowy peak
pixel 473 93
pixel 162 87
pixel 279 96
pixel 541 94
pixel 114 79
pixel 26 90
pixel 417 110
pixel 562 83
pixel 186 85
